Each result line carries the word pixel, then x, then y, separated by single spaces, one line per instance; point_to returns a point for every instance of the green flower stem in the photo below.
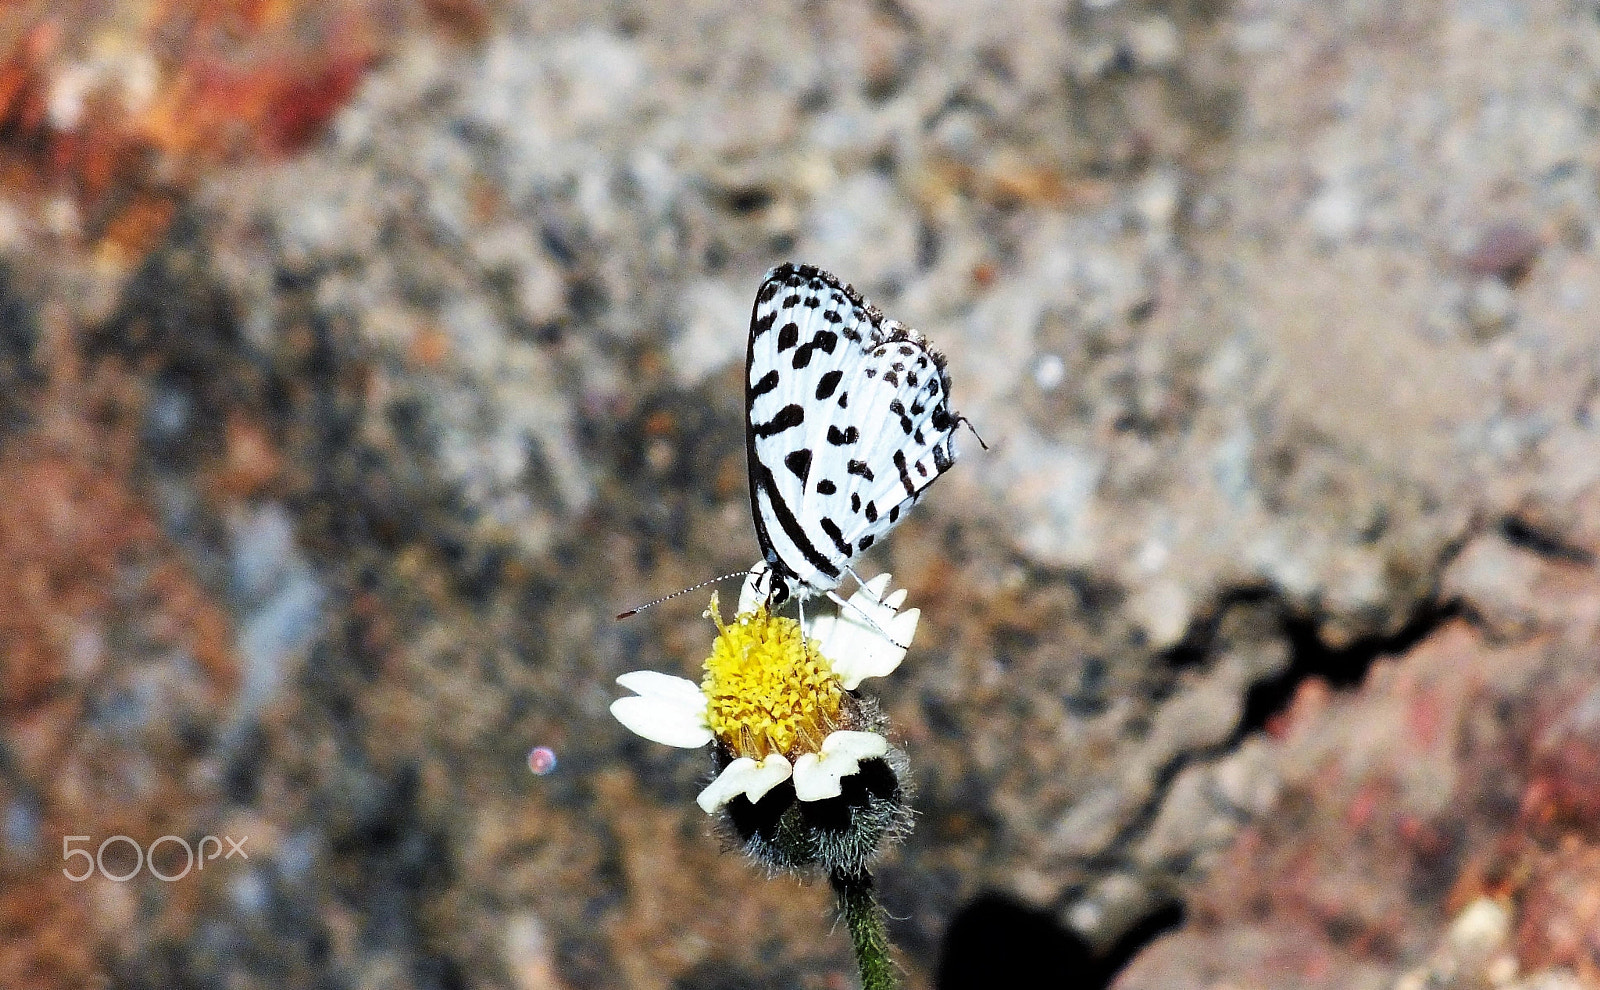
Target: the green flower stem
pixel 865 920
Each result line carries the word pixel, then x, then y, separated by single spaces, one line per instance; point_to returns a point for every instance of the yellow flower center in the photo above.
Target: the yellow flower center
pixel 766 692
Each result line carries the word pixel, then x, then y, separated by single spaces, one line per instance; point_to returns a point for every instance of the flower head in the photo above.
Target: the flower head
pixel 790 735
pixel 768 689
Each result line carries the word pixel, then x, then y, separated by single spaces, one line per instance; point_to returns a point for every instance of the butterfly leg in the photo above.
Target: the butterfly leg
pixel 859 583
pixel 862 585
pixel 845 603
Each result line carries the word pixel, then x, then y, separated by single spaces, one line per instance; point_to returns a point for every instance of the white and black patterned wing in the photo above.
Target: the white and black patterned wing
pixel 911 444
pixel 848 421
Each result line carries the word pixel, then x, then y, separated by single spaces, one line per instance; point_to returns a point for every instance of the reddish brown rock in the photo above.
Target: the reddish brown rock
pixel 1461 769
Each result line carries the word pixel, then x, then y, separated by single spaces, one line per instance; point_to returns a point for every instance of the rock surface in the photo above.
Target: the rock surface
pixel 359 361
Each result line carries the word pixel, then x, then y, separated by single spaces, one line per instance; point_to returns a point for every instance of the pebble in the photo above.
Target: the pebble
pixel 1335 214
pixel 1153 42
pixel 1480 929
pixel 1490 309
pixel 1505 251
pixel 1049 372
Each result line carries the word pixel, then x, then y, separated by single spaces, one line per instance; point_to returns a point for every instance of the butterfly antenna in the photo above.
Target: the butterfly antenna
pixel 683 591
pixel 972 429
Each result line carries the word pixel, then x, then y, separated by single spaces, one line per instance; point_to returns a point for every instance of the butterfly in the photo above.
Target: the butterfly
pixel 847 423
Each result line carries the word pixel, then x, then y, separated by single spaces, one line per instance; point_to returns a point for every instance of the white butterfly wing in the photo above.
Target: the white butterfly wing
pixel 911 444
pixel 847 422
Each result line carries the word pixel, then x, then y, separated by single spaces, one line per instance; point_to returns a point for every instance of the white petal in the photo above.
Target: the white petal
pixel 819 629
pixel 854 647
pixel 744 776
pixel 658 721
pixel 668 710
pixel 653 684
pixel 876 585
pixel 720 791
pixel 812 782
pixel 817 775
pixel 770 772
pixel 903 629
pixel 854 745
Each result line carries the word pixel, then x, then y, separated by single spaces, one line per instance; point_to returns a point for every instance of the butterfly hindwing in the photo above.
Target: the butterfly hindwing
pixel 891 465
pixel 847 422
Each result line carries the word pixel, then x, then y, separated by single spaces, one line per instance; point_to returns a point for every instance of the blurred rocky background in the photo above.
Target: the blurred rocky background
pixel 360 359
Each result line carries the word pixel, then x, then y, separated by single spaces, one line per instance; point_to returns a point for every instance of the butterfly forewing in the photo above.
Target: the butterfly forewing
pixel 848 421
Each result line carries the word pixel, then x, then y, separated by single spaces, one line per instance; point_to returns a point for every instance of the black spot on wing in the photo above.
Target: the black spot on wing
pixel 827 487
pixel 866 541
pixel 768 382
pixel 941 458
pixel 825 340
pixel 788 336
pixel 905 473
pixel 762 323
pixel 844 400
pixel 768 289
pixel 872 512
pixel 894 515
pixel 832 529
pixel 839 437
pixel 788 417
pixel 827 383
pixel 855 501
pixel 860 468
pixel 889 376
pixel 799 462
pixel 899 409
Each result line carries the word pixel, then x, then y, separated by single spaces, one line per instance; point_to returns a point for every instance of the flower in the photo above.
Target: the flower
pixel 776 696
pixel 805 774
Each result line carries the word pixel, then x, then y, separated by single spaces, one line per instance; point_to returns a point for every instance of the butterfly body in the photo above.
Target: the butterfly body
pixel 848 421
